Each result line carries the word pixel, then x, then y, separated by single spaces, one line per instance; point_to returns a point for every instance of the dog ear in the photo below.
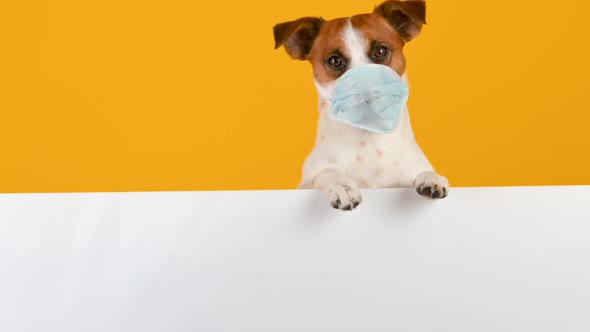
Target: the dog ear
pixel 406 17
pixel 298 36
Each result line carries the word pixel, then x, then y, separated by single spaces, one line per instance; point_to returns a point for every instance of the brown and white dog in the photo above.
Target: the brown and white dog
pixel 346 158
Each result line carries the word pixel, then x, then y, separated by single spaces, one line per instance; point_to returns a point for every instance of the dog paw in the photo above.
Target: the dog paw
pixel 344 197
pixel 431 185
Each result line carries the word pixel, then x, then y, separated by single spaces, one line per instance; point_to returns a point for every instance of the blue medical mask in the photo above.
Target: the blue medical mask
pixel 370 97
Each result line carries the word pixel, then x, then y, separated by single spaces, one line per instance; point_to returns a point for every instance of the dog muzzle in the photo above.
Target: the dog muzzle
pixel 370 97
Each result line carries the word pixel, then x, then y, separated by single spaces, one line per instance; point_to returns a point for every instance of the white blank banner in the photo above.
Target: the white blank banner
pixel 483 259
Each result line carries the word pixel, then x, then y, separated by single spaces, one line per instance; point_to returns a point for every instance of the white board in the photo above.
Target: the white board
pixel 484 259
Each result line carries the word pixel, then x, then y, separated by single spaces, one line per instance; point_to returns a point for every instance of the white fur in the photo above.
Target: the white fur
pixel 356 46
pixel 345 158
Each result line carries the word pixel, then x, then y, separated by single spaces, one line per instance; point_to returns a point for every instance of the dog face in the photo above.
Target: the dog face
pixel 332 47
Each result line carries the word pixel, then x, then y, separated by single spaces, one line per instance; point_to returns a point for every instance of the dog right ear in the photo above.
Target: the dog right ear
pixel 298 36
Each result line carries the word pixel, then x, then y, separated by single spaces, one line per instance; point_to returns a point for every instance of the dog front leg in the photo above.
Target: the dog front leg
pixel 342 191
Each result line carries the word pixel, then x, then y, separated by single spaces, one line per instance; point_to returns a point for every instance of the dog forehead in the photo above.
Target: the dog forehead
pixel 371 27
pixel 375 27
pixel 329 38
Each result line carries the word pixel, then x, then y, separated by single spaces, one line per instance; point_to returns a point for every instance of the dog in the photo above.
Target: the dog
pixel 346 158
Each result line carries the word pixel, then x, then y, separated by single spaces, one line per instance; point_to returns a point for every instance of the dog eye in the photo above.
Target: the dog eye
pixel 380 53
pixel 335 62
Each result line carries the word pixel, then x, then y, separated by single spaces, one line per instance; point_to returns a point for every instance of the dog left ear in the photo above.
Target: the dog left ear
pixel 298 36
pixel 406 17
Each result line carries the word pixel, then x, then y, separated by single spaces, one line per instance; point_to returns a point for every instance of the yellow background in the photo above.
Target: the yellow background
pixel 121 95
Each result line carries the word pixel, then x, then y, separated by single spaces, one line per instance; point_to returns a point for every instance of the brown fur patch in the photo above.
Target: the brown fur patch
pixel 328 41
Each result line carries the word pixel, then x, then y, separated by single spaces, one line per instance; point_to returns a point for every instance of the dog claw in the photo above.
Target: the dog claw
pixel 435 192
pixel 424 191
pixel 348 207
pixel 336 204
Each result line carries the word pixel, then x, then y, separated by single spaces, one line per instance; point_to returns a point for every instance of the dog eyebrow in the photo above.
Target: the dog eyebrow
pixel 375 42
pixel 338 53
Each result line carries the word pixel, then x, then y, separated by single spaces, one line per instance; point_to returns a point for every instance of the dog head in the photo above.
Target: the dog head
pixel 335 46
